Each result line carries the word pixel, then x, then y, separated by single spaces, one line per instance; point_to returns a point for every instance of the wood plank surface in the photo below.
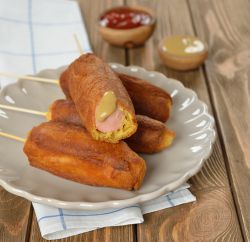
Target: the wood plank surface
pixel 225 27
pixel 91 11
pixel 212 217
pixel 14 217
pixel 208 219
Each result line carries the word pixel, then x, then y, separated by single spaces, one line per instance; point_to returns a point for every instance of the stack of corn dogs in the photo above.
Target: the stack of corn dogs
pixel 93 136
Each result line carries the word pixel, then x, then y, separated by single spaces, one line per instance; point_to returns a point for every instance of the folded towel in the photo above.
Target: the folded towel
pixel 36 35
pixel 57 223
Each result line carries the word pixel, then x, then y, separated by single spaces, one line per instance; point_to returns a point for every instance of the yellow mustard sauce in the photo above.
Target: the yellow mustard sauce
pixel 106 106
pixel 183 45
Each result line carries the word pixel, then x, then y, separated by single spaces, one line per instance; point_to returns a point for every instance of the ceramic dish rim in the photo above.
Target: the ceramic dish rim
pixel 81 205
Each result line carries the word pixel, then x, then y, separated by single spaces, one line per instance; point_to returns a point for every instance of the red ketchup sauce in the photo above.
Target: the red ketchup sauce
pixel 125 18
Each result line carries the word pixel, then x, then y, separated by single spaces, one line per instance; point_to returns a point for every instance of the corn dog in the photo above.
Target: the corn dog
pixel 68 151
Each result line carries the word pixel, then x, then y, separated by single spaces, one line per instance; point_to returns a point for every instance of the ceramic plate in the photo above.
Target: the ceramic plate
pixel 165 170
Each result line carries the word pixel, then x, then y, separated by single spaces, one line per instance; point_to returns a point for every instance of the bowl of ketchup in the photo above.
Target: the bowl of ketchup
pixel 127 26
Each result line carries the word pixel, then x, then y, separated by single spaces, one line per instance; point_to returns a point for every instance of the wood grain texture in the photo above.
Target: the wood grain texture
pixel 91 11
pixel 225 27
pixel 14 217
pixel 199 221
pixel 211 185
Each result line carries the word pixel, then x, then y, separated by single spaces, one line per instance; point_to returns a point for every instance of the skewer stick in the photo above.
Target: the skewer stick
pixel 41 79
pixel 79 47
pixel 23 110
pixel 32 78
pixel 14 137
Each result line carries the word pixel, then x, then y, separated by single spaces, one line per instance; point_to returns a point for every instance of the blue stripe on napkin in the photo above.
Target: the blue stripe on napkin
pixel 90 214
pixel 62 218
pixel 40 23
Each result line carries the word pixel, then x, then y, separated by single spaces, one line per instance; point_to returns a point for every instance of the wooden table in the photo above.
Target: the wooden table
pixel 222 210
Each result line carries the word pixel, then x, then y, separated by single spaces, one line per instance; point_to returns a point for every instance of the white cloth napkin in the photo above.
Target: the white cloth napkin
pixel 36 35
pixel 57 223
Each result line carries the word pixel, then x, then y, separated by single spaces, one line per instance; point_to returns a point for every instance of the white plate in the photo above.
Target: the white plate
pixel 165 171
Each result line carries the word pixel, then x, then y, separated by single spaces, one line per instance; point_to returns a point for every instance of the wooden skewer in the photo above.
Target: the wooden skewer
pixel 32 78
pixel 24 110
pixel 14 137
pixel 41 79
pixel 79 47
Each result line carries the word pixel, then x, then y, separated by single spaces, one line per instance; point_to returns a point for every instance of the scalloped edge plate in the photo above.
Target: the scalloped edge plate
pixel 178 92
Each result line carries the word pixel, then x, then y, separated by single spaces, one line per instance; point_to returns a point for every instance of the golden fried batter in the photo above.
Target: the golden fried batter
pixel 151 135
pixel 88 79
pixel 68 151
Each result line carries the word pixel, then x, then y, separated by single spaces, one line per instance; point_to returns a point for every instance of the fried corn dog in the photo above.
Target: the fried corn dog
pixel 147 99
pixel 151 135
pixel 68 151
pixel 101 100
